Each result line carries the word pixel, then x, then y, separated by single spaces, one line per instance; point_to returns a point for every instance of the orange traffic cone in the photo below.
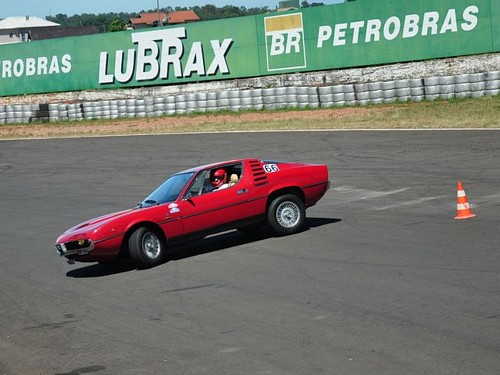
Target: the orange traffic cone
pixel 463 209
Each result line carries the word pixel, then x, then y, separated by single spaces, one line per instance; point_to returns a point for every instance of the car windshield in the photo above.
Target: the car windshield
pixel 168 191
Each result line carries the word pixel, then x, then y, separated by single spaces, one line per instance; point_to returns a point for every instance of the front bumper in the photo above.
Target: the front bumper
pixel 72 248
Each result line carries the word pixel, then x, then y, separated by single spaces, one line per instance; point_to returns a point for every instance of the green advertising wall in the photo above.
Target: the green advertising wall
pixel 345 35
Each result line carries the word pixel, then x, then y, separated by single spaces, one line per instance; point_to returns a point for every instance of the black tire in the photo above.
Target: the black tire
pixel 146 248
pixel 286 214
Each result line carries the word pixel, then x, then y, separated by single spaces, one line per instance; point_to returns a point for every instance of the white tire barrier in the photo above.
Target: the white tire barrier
pixel 349 94
pixel 140 108
pixel 257 99
pixel 3 115
pixel 462 78
pixel 473 85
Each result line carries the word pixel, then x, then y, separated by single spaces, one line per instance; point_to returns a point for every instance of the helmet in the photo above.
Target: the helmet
pixel 218 178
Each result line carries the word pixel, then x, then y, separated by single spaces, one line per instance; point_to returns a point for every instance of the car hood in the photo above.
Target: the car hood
pixel 90 227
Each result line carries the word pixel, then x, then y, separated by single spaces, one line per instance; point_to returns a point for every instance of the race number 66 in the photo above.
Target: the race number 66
pixel 271 168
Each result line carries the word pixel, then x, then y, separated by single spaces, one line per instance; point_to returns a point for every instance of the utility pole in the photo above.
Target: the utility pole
pixel 158 10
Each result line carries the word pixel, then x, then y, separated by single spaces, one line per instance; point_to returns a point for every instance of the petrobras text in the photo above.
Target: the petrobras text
pixel 409 26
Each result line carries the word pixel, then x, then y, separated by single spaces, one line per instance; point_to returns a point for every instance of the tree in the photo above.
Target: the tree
pixel 305 4
pixel 116 25
pixel 109 22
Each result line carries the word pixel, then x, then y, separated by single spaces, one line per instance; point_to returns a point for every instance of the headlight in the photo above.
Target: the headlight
pixel 78 247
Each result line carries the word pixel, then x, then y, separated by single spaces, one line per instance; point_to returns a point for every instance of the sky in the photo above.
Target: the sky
pixel 43 8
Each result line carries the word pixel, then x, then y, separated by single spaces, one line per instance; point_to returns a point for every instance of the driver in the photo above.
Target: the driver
pixel 218 179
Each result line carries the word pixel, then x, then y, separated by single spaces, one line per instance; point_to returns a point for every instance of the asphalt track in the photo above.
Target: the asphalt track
pixel 382 281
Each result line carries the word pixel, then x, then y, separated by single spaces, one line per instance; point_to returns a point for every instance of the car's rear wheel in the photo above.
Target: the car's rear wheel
pixel 146 247
pixel 286 214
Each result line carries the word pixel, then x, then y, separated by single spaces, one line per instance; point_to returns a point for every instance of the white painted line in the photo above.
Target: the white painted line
pixel 361 194
pixel 246 131
pixel 411 203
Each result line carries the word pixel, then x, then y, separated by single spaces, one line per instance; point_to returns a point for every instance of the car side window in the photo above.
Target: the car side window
pixel 222 177
pixel 196 187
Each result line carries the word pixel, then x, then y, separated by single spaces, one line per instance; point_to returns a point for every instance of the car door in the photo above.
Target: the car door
pixel 204 211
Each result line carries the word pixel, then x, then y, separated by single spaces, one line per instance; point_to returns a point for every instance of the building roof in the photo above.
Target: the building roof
pixel 24 22
pixel 149 18
pixel 182 16
pixel 63 31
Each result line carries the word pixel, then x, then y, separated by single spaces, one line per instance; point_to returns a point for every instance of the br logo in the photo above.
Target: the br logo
pixel 285 45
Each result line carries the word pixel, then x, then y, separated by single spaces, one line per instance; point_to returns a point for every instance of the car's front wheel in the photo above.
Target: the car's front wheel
pixel 146 247
pixel 286 214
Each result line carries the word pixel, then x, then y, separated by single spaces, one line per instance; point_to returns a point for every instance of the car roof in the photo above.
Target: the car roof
pixel 214 165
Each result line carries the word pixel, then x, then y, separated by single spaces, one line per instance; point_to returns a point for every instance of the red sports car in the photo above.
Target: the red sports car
pixel 236 194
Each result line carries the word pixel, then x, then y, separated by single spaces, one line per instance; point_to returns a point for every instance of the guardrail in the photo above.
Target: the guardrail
pixel 445 87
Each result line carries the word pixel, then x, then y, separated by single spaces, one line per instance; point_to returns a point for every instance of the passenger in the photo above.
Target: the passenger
pixel 218 179
pixel 233 180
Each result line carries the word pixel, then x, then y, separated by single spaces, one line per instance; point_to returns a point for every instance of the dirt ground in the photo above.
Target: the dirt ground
pixel 176 124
